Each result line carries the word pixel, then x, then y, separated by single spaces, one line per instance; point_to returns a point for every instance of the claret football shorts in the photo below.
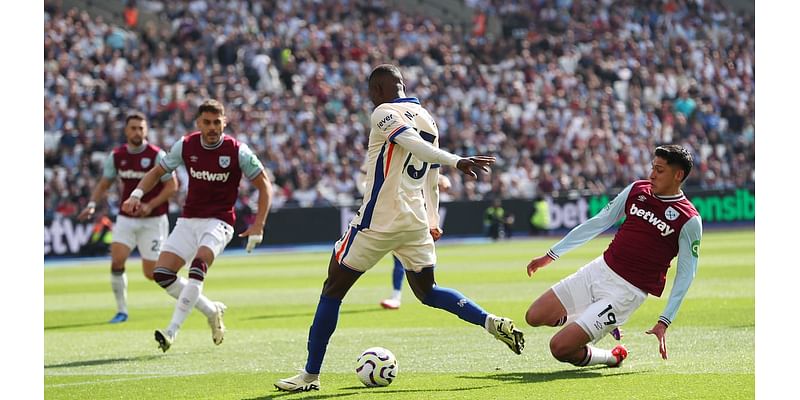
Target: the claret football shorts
pixel 598 299
pixel 146 234
pixel 360 250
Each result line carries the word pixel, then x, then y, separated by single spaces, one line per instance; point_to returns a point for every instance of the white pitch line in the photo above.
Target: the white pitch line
pixel 138 378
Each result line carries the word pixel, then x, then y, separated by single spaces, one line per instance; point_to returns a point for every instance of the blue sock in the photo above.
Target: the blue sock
pixel 320 332
pixel 456 303
pixel 397 274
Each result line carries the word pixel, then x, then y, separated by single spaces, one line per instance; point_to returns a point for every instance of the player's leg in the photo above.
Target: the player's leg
pixel 214 236
pixel 571 344
pixel 424 286
pixel 355 248
pixel 124 240
pixel 119 280
pixel 546 310
pixel 398 273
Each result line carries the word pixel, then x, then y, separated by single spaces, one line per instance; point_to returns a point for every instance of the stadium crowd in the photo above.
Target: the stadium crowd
pixel 572 95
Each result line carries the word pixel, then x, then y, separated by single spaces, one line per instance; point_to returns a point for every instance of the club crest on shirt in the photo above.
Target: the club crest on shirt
pixel 145 162
pixel 224 161
pixel 671 213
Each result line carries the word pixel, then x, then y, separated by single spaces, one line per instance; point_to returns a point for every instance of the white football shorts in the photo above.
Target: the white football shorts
pixel 361 250
pixel 191 233
pixel 598 298
pixel 146 234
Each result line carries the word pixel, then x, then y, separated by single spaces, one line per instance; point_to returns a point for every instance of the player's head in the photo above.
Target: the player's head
pixel 211 121
pixel 135 129
pixel 385 84
pixel 671 166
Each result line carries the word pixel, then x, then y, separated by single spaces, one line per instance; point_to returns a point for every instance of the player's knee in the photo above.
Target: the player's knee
pixel 164 277
pixel 198 270
pixel 560 350
pixel 148 274
pixel 533 318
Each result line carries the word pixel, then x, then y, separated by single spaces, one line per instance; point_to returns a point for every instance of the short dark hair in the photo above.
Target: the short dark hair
pixel 135 115
pixel 385 70
pixel 212 106
pixel 675 154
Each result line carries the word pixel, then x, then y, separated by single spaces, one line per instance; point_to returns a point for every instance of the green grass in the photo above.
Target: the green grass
pixel 272 298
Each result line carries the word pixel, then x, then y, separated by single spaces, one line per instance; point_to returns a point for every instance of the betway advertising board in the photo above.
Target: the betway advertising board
pixel 66 237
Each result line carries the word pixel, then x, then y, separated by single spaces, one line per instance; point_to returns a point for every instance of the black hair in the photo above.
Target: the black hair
pixel 675 154
pixel 135 115
pixel 385 70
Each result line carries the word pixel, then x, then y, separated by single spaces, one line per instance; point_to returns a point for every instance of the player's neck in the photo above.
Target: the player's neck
pixel 136 149
pixel 671 192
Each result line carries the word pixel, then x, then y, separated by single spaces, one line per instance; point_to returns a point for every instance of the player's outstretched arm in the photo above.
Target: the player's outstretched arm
pixel 170 188
pixel 466 165
pixel 255 232
pixel 98 194
pixel 660 331
pixel 134 202
pixel 539 262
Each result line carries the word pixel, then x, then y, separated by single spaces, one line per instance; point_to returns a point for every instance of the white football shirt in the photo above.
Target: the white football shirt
pixel 398 161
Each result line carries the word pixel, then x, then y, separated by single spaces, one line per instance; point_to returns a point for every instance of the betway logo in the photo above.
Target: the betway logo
pixel 131 174
pixel 208 176
pixel 648 216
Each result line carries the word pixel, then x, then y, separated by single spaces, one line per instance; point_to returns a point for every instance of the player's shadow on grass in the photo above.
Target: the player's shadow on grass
pixel 311 314
pixel 360 390
pixel 534 377
pixel 81 325
pixel 89 363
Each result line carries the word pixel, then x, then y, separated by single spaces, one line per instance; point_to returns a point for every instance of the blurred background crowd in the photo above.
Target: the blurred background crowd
pixel 570 95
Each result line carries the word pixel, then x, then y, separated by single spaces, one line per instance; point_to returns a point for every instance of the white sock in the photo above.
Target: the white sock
pixel 204 305
pixel 119 285
pixel 186 301
pixel 397 295
pixel 488 325
pixel 599 356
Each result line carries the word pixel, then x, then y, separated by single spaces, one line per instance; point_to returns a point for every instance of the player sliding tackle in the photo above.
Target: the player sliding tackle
pixel 660 223
pixel 401 178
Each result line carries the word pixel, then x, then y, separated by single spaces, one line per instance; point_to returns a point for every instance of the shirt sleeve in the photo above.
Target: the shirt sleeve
pixel 174 158
pixel 160 156
pixel 249 162
pixel 109 170
pixel 688 256
pixel 388 123
pixel 594 226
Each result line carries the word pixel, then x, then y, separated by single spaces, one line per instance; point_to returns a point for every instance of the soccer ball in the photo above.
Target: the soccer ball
pixel 376 366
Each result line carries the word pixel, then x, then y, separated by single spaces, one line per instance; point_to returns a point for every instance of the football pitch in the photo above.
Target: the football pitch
pixel 271 298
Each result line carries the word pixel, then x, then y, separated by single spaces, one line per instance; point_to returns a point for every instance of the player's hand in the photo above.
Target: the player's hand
pixel 255 234
pixel 86 213
pixel 537 263
pixel 467 164
pixel 131 206
pixel 144 210
pixel 660 330
pixel 444 183
pixel 436 233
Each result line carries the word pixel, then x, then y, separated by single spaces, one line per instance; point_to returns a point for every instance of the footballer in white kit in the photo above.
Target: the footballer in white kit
pixel 402 177
pixel 401 199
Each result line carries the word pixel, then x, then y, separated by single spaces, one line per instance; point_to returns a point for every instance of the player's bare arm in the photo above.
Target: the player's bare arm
pixel 98 194
pixel 255 232
pixel 539 262
pixel 149 180
pixel 170 188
